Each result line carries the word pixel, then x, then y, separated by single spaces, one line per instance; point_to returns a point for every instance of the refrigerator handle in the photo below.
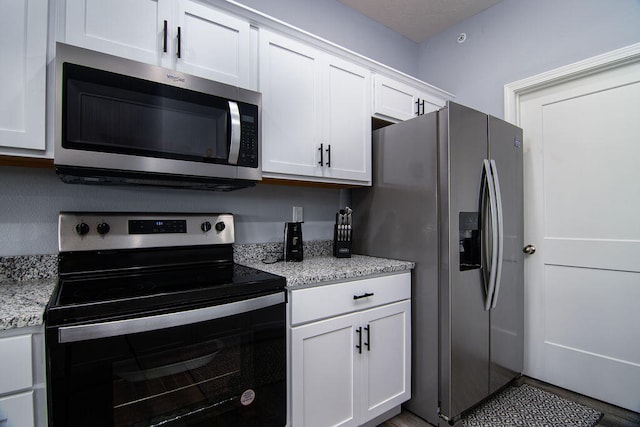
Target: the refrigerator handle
pixel 494 173
pixel 490 286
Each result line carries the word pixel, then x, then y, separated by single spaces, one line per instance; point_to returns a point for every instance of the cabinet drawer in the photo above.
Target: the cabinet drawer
pixel 332 300
pixel 15 365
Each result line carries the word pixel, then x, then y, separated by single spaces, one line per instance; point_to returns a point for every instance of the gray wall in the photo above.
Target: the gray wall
pixel 343 26
pixel 520 38
pixel 30 200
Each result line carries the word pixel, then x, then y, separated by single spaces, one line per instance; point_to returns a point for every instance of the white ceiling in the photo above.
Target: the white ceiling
pixel 419 19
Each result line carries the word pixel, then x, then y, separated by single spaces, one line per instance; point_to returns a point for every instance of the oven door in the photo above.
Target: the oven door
pixel 215 366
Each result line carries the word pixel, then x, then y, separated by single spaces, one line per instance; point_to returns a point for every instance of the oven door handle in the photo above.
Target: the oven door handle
pixel 67 334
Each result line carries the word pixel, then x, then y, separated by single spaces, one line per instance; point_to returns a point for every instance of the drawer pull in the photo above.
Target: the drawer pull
pixel 365 295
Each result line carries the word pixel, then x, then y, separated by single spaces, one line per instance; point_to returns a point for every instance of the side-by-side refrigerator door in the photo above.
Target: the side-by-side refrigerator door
pixel 464 322
pixel 507 317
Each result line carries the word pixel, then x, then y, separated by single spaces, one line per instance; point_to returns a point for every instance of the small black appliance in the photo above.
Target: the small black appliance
pixel 293 241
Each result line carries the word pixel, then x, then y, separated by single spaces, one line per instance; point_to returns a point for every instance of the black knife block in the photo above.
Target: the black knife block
pixel 341 244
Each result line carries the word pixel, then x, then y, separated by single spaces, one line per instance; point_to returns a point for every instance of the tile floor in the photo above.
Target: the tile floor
pixel 613 415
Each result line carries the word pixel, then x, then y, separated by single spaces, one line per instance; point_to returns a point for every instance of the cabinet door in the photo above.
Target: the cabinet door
pixel 23 62
pixel 428 103
pixel 325 373
pixel 290 86
pixel 398 101
pixel 393 99
pixel 16 369
pixel 132 29
pixel 347 128
pixel 387 365
pixel 17 410
pixel 213 45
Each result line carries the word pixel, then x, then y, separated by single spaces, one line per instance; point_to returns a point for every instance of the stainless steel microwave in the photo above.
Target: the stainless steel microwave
pixel 119 121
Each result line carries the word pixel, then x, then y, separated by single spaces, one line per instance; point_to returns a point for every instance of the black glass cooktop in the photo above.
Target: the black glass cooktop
pixel 115 294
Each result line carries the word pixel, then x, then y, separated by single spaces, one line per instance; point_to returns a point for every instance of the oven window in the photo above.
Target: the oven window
pixel 177 384
pixel 108 112
pixel 224 372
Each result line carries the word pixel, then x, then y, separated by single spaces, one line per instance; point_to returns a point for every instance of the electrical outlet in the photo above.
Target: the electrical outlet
pixel 298 214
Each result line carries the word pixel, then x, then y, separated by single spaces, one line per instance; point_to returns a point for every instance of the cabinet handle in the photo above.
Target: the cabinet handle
pixel 178 53
pixel 418 107
pixel 365 295
pixel 359 346
pixel 321 150
pixel 329 156
pixel 368 342
pixel 164 37
pixel 422 105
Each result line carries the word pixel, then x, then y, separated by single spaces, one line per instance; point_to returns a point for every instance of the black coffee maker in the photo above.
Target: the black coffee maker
pixel 293 241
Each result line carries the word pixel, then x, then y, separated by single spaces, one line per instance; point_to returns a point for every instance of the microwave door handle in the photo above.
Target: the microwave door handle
pixel 234 145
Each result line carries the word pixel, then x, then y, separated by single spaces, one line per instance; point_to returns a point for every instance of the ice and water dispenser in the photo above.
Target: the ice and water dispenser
pixel 469 229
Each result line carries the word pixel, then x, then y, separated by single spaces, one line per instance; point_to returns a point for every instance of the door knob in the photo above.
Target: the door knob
pixel 529 250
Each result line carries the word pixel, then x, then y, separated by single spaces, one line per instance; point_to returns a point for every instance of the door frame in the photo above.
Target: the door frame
pixel 513 91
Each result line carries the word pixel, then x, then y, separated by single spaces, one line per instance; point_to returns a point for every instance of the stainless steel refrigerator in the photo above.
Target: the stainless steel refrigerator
pixel 447 194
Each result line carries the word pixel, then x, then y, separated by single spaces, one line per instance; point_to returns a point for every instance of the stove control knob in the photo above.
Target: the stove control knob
pixel 205 226
pixel 82 229
pixel 103 228
pixel 220 226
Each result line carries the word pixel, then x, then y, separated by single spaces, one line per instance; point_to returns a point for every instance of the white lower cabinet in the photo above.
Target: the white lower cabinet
pixel 351 368
pixel 22 388
pixel 17 410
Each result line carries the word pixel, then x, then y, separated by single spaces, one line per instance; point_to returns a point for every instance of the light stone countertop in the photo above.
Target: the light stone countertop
pixel 328 269
pixel 22 303
pixel 27 282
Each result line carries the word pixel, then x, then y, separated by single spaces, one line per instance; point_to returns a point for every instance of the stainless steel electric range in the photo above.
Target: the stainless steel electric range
pixel 152 324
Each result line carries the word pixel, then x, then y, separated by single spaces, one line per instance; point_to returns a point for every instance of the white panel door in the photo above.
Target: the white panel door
pixel 290 85
pixel 582 203
pixel 393 99
pixel 386 355
pixel 23 63
pixel 325 374
pixel 213 45
pixel 347 129
pixel 132 29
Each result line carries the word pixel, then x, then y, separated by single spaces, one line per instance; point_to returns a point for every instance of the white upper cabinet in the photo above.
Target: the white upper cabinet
pixel 290 87
pixel 23 62
pixel 184 35
pixel 213 45
pixel 347 125
pixel 316 114
pixel 398 101
pixel 130 29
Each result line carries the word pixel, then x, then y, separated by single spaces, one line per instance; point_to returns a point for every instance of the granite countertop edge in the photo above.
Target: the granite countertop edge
pixel 324 270
pixel 27 282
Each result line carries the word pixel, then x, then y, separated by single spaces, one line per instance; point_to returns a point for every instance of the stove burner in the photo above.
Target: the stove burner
pixel 95 295
pixel 81 294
